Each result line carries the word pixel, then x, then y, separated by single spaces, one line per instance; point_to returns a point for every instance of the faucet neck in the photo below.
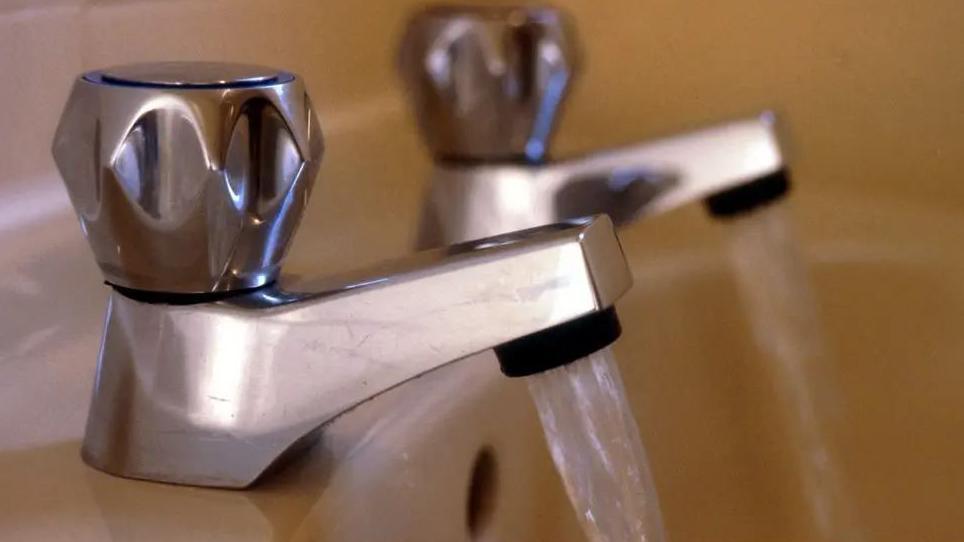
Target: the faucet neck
pixel 213 393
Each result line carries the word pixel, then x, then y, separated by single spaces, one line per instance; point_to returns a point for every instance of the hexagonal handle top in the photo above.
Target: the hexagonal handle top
pixel 188 178
pixel 487 82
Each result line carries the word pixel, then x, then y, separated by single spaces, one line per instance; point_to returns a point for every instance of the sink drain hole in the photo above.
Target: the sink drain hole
pixel 483 489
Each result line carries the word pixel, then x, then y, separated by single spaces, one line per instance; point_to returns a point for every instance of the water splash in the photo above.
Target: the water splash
pixel 596 447
pixel 774 286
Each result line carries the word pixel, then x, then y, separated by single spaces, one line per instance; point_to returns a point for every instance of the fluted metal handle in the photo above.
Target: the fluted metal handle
pixel 188 177
pixel 486 82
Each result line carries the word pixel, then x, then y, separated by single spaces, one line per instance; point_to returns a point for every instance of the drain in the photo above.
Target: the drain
pixel 482 493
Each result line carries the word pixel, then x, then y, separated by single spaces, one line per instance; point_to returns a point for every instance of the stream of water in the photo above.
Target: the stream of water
pixel 595 444
pixel 773 283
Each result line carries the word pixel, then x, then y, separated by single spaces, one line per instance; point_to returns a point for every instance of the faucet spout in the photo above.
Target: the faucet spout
pixel 656 176
pixel 473 200
pixel 213 393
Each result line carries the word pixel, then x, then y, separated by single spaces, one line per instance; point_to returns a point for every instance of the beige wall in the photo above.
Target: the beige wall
pixel 871 98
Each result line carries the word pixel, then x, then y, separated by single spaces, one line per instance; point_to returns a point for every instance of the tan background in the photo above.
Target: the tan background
pixel 870 94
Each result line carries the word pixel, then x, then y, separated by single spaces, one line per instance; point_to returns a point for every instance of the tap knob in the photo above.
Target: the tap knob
pixel 188 177
pixel 487 82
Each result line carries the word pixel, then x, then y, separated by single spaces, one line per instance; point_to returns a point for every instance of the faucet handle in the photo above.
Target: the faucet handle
pixel 486 82
pixel 188 177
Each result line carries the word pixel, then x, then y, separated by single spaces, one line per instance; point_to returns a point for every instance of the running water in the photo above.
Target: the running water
pixel 595 444
pixel 773 283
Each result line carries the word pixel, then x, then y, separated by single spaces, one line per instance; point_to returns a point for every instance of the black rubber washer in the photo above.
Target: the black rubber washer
pixel 749 196
pixel 559 345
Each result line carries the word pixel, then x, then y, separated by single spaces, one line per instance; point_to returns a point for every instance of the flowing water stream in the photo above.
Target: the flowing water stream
pixel 595 444
pixel 773 283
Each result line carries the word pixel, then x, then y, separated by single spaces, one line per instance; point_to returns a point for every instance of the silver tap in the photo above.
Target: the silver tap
pixel 486 85
pixel 189 180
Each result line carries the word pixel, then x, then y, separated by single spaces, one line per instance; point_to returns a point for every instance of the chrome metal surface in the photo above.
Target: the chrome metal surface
pixel 188 177
pixel 472 201
pixel 212 394
pixel 486 81
pixel 195 185
pixel 190 74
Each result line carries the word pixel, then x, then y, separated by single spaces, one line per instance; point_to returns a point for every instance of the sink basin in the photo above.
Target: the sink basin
pixel 886 281
pixel 458 454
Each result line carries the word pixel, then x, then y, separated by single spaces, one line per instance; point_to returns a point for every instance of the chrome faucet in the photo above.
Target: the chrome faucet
pixel 486 84
pixel 189 180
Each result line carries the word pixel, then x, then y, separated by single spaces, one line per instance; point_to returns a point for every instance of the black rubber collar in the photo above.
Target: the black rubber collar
pixel 748 196
pixel 559 345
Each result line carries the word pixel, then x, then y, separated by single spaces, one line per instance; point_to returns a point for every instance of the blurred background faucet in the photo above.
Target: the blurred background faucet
pixel 189 180
pixel 486 85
